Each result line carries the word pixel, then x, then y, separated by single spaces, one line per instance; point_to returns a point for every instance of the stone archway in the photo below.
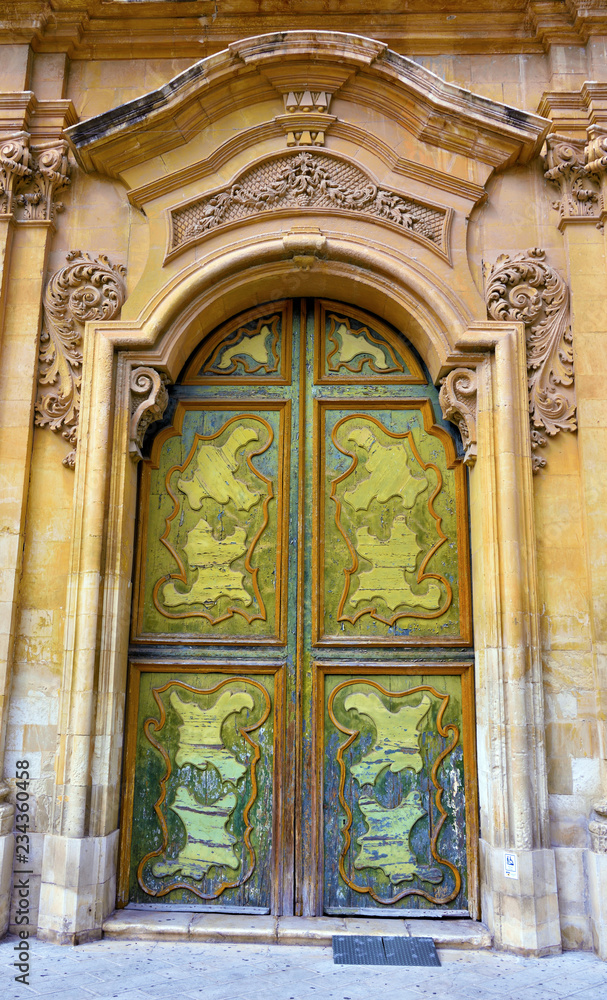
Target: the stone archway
pixel 351 257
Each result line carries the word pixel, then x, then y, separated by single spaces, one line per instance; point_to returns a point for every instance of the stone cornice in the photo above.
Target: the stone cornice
pixel 432 110
pixel 189 28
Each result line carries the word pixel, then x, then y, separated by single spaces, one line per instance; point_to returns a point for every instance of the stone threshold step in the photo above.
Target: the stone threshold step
pixel 237 928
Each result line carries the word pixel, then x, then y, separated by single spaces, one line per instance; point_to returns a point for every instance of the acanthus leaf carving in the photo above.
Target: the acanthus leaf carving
pixel 565 166
pixel 149 398
pixel 84 289
pixel 526 289
pixel 15 167
pixel 307 180
pixel 457 398
pixel 51 173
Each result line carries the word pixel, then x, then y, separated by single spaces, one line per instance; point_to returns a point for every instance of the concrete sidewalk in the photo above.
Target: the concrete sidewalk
pixel 146 970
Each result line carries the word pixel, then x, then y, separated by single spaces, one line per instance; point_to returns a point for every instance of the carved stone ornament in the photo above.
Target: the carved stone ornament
pixel 51 173
pixel 306 119
pixel 149 398
pixel 31 177
pixel 526 289
pixel 457 398
pixel 307 180
pixel 565 166
pixel 15 166
pixel 83 290
pixel 598 829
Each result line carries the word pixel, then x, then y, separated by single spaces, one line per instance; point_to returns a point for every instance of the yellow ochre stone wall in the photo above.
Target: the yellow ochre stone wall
pixel 90 68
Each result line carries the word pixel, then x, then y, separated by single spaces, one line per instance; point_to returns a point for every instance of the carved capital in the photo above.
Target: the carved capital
pixel 149 398
pixel 598 829
pixel 565 166
pixel 85 289
pixel 457 398
pixel 526 289
pixel 596 161
pixel 15 167
pixel 51 173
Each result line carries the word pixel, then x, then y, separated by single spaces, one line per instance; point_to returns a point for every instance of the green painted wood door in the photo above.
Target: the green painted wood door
pixel 300 721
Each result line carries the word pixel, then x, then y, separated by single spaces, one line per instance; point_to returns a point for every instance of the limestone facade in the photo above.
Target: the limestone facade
pixel 125 129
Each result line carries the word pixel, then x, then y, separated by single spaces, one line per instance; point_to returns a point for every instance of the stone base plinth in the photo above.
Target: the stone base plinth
pixel 78 887
pixel 597 891
pixel 238 928
pixel 522 913
pixel 7 853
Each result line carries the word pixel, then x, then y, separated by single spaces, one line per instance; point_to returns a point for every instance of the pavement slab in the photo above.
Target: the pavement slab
pixel 126 969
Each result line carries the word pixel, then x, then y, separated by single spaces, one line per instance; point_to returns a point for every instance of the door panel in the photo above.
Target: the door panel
pixel 391 531
pixel 214 550
pixel 395 754
pixel 203 786
pixel 300 712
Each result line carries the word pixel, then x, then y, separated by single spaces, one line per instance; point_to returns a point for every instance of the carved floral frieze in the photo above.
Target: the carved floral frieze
pixel 525 288
pixel 312 181
pixel 31 177
pixel 84 289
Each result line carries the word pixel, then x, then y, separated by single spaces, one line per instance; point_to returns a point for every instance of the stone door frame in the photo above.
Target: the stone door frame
pixel 79 863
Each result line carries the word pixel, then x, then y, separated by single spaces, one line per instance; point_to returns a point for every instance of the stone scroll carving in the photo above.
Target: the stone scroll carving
pixel 526 289
pixel 15 167
pixel 579 170
pixel 30 178
pixel 565 167
pixel 457 398
pixel 85 289
pixel 307 180
pixel 149 398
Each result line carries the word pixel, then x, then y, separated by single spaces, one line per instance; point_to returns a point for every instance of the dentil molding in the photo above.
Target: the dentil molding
pixel 84 289
pixel 524 288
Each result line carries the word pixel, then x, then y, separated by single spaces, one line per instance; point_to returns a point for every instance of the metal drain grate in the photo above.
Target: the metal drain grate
pixel 358 949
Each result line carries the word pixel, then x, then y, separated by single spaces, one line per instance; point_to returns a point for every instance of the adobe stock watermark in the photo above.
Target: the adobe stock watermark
pixel 22 871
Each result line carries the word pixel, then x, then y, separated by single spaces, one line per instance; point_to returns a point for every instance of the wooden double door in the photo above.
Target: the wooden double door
pixel 300 731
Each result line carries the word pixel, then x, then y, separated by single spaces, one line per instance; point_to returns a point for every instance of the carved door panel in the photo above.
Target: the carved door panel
pixel 300 723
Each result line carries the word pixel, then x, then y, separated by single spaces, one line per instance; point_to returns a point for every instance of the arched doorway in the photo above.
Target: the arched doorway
pixel 300 732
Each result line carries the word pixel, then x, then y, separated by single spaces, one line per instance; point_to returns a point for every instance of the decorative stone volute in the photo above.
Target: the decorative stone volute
pixel 526 289
pixel 31 176
pixel 565 167
pixel 15 167
pixel 50 175
pixel 85 289
pixel 149 398
pixel 579 169
pixel 457 398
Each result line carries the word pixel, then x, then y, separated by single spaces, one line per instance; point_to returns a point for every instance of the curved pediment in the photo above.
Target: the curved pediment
pixel 364 73
pixel 308 181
